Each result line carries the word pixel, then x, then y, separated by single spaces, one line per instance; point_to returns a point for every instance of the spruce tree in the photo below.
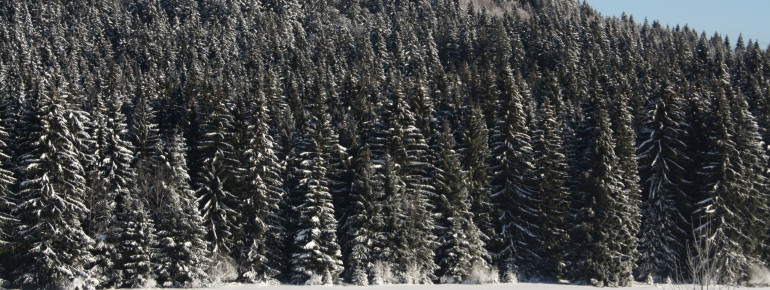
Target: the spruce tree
pixel 475 152
pixel 317 259
pixel 7 203
pixel 663 164
pixel 629 198
pixel 413 236
pixel 461 246
pixel 364 228
pixel 599 207
pixel 114 177
pixel 551 171
pixel 514 183
pixel 181 255
pixel 260 200
pixel 53 248
pixel 132 233
pixel 217 179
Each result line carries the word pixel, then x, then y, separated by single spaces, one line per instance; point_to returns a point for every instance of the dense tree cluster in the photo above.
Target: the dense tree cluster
pixel 180 142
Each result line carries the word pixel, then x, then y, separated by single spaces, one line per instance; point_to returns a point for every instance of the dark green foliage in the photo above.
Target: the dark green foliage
pixel 181 255
pixel 259 128
pixel 663 236
pixel 53 247
pixel 550 161
pixel 461 244
pixel 514 182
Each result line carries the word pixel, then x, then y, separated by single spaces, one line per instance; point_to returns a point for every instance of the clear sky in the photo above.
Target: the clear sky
pixel 728 17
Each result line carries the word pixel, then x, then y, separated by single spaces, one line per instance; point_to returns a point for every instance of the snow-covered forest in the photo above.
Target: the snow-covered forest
pixel 179 143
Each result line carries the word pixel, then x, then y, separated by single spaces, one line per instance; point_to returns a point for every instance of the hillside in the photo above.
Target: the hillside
pixel 179 143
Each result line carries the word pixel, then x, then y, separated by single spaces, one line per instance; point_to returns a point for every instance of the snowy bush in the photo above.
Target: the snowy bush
pixel 483 275
pixel 759 276
pixel 415 274
pixel 315 279
pixel 223 269
pixel 382 274
pixel 510 277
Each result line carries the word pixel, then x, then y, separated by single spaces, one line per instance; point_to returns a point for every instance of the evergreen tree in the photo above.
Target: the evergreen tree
pixel 7 204
pixel 114 177
pixel 628 199
pixel 551 171
pixel 475 154
pixel 317 258
pixel 53 248
pixel 664 162
pixel 514 183
pixel 181 255
pixel 217 180
pixel 132 233
pixel 462 248
pixel 147 146
pixel 718 218
pixel 412 237
pixel 599 207
pixel 365 225
pixel 261 200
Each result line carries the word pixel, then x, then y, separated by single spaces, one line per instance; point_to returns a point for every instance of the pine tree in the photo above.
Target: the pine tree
pixel 317 258
pixel 261 200
pixel 514 183
pixel 181 255
pixel 365 225
pixel 53 248
pixel 217 180
pixel 410 210
pixel 132 233
pixel 551 171
pixel 664 162
pixel 462 247
pixel 475 154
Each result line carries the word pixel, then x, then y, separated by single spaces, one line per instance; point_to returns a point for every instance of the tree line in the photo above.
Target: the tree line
pixel 176 143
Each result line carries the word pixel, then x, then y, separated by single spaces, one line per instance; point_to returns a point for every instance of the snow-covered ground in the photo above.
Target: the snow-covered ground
pixel 501 286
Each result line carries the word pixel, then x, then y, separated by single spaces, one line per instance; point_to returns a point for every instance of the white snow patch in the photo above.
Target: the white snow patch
pixel 759 276
pixel 500 286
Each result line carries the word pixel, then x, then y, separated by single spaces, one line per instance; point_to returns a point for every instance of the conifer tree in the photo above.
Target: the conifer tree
pixel 53 248
pixel 7 205
pixel 145 137
pixel 551 171
pixel 365 226
pixel 599 208
pixel 413 258
pixel 217 179
pixel 114 177
pixel 475 152
pixel 317 258
pixel 132 233
pixel 663 161
pixel 261 200
pixel 181 256
pixel 514 183
pixel 718 218
pixel 628 199
pixel 461 247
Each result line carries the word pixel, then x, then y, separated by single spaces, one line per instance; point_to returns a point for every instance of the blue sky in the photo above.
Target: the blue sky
pixel 728 17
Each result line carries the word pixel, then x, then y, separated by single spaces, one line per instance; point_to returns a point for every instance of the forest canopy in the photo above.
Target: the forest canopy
pixel 178 143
